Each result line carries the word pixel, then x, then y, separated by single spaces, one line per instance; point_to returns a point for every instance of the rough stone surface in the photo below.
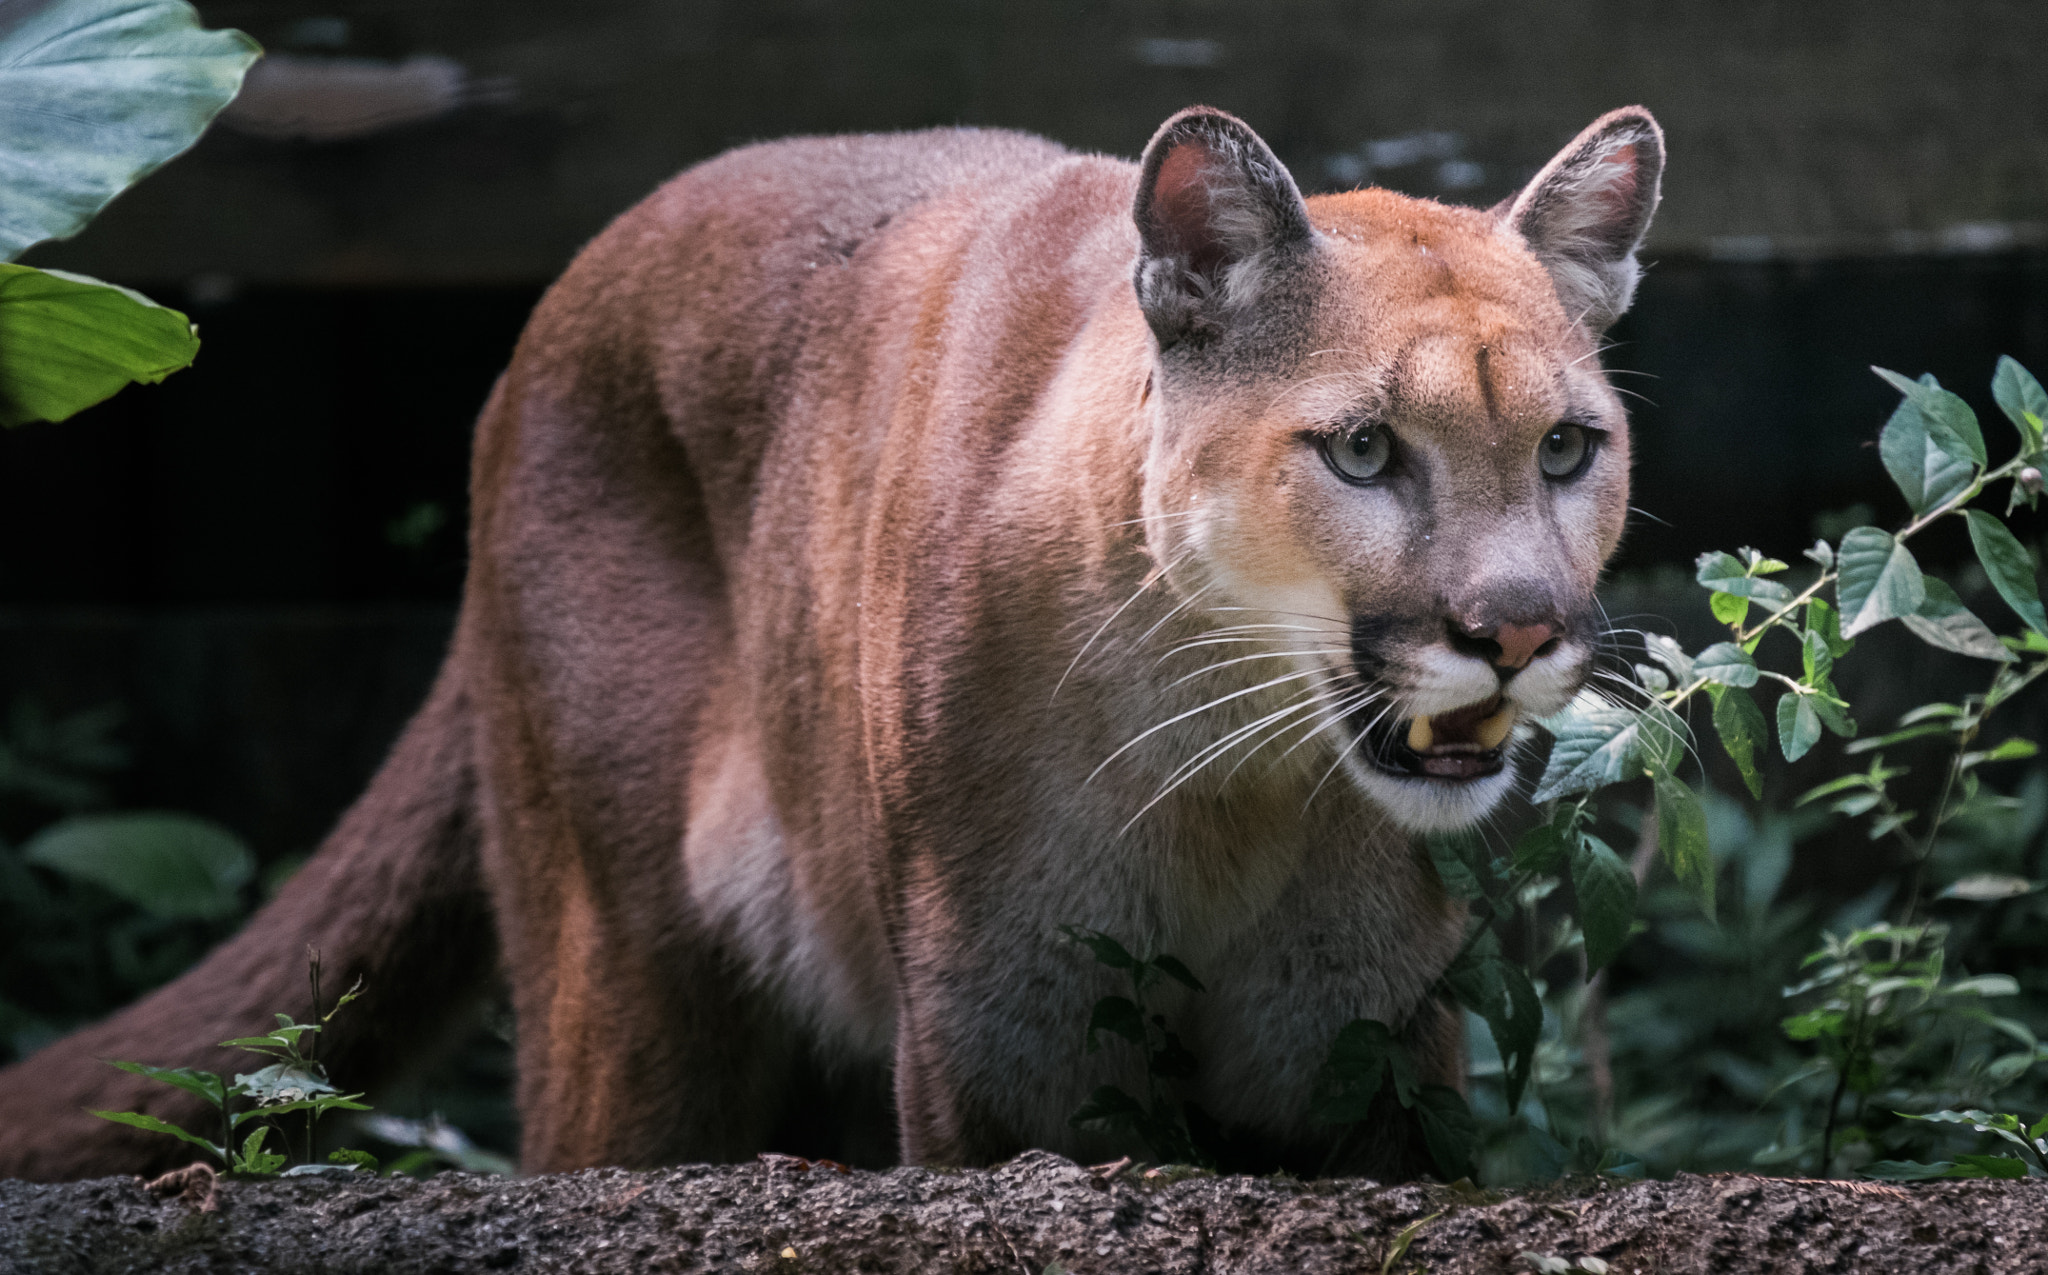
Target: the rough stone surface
pixel 781 1215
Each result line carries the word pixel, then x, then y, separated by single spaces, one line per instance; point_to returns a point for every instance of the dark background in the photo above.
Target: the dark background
pixel 260 558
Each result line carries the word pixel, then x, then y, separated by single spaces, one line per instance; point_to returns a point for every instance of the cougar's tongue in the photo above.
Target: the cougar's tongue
pixel 1450 744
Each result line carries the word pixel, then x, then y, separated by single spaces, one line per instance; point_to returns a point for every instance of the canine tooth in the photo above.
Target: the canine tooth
pixel 1495 729
pixel 1420 737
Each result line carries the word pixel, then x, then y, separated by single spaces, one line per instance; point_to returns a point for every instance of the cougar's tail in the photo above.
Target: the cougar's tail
pixel 394 895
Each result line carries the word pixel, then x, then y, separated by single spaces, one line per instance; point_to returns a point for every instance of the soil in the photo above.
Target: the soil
pixel 782 1214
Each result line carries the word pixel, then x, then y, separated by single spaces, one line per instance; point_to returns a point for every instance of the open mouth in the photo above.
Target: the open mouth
pixel 1460 745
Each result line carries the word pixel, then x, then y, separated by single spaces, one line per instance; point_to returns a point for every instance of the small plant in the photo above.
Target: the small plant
pixel 2029 1138
pixel 1366 1059
pixel 294 1082
pixel 1935 453
pixel 1161 1121
pixel 1884 997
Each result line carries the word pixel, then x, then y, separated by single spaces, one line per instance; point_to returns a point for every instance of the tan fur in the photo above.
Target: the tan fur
pixel 857 557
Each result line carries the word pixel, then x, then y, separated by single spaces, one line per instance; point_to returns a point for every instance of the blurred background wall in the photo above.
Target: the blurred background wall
pixel 260 558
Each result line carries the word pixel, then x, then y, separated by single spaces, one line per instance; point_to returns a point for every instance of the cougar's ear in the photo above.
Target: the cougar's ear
pixel 1586 213
pixel 1216 211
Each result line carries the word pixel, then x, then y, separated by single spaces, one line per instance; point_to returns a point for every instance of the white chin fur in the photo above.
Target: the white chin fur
pixel 1429 805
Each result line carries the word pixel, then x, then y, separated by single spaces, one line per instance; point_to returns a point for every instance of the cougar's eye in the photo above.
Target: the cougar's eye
pixel 1565 450
pixel 1359 454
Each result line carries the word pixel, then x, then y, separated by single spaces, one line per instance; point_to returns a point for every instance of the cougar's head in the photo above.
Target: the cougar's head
pixel 1382 443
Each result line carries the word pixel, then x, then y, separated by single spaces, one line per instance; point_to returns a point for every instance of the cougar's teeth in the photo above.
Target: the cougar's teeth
pixel 1494 729
pixel 1420 737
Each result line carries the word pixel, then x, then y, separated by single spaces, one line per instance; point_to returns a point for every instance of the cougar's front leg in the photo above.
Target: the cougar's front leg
pixel 991 1050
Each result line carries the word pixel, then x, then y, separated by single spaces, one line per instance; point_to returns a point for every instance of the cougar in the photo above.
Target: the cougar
pixel 889 550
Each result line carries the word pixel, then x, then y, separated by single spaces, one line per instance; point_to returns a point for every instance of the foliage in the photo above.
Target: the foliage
pixel 1878 1029
pixel 98 906
pixel 294 1081
pixel 1168 1127
pixel 94 95
pixel 1888 1042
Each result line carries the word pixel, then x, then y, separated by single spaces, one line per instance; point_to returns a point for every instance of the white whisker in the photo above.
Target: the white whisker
pixel 1151 579
pixel 1262 655
pixel 1220 700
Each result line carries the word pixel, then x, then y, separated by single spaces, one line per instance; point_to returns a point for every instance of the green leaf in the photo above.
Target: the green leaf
pixel 1951 424
pixel 1988 1166
pixel 154 1125
pixel 1682 838
pixel 353 1158
pixel 1833 713
pixel 1728 608
pixel 1879 580
pixel 1670 654
pixel 1118 1015
pixel 1353 1072
pixel 1451 1133
pixel 67 342
pixel 1823 619
pixel 1545 849
pixel 1452 854
pixel 284 1082
pixel 205 1084
pixel 1170 966
pixel 1798 725
pixel 1599 742
pixel 1107 950
pixel 1724 573
pixel 1107 1104
pixel 316 1105
pixel 1929 465
pixel 1944 621
pixel 1908 1170
pixel 94 95
pixel 1740 724
pixel 1726 663
pixel 2010 569
pixel 1814 1024
pixel 253 1159
pixel 170 865
pixel 1815 660
pixel 2020 396
pixel 1499 991
pixel 1606 891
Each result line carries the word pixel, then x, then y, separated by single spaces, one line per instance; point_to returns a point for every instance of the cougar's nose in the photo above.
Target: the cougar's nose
pixel 1505 646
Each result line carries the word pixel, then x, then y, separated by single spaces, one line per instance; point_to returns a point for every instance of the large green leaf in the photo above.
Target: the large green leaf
pixel 1599 742
pixel 1950 422
pixel 1449 1130
pixel 1879 580
pixel 1499 991
pixel 205 1084
pixel 67 341
pixel 1740 724
pixel 1929 464
pixel 1682 838
pixel 1726 663
pixel 154 1125
pixel 1944 621
pixel 1352 1074
pixel 94 95
pixel 2019 396
pixel 1798 725
pixel 171 865
pixel 1607 898
pixel 2010 569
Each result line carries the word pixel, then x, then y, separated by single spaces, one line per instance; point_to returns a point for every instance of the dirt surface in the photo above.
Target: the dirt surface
pixel 782 1215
